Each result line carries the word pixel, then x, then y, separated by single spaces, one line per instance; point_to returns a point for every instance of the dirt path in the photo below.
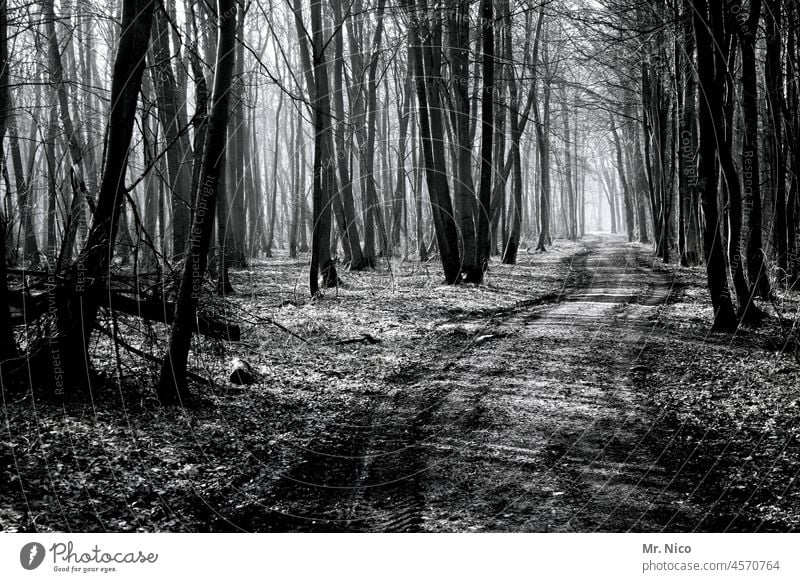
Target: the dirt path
pixel 522 419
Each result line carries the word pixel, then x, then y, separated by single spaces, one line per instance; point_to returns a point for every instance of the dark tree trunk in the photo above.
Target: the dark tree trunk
pixel 542 139
pixel 324 163
pixel 173 122
pixel 351 236
pixel 751 174
pixel 427 76
pixel 8 347
pixel 724 316
pixel 463 187
pixel 688 204
pixel 773 76
pixel 487 133
pixel 172 384
pixel 86 278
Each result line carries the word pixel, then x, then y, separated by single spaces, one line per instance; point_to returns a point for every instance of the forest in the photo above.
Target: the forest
pixel 358 265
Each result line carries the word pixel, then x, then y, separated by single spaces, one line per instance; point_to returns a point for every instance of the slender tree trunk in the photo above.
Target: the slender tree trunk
pixel 8 347
pixel 626 188
pixel 172 385
pixel 773 76
pixel 570 186
pixel 77 215
pixel 174 124
pixel 463 187
pixel 512 242
pixel 324 162
pixel 399 198
pixel 487 133
pixel 541 123
pixel 724 316
pixel 30 247
pixel 357 259
pixel 687 145
pixel 52 179
pixel 427 76
pixel 76 317
pixel 275 164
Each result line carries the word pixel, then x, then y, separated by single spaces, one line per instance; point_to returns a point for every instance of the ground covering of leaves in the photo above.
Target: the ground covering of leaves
pixel 730 405
pixel 722 410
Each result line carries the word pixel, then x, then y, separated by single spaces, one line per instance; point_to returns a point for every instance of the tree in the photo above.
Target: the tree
pixel 79 296
pixel 427 77
pixel 174 124
pixel 541 122
pixel 172 384
pixel 707 14
pixel 463 187
pixel 756 270
pixel 8 347
pixel 487 133
pixel 77 211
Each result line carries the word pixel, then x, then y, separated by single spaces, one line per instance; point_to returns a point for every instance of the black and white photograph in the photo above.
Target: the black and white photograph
pixel 409 266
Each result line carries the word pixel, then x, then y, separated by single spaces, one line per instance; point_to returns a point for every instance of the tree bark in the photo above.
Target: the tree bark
pixel 426 77
pixel 77 214
pixel 724 316
pixel 463 187
pixel 353 240
pixel 484 241
pixel 172 385
pixel 8 347
pixel 76 317
pixel 176 136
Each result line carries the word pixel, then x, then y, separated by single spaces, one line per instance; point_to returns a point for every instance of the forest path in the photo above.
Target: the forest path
pixel 515 419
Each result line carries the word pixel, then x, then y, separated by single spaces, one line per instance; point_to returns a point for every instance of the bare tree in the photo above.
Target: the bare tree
pixel 172 384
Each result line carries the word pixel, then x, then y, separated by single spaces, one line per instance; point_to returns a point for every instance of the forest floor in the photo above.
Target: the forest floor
pixel 579 390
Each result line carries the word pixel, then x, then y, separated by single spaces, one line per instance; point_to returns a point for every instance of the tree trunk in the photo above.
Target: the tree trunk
pixel 427 77
pixel 487 133
pixel 77 215
pixel 174 125
pixel 689 219
pixel 324 162
pixel 235 233
pixel 773 76
pixel 8 347
pixel 751 174
pixel 463 187
pixel 275 163
pixel 353 240
pixel 724 316
pixel 172 384
pixel 76 318
pixel 542 140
